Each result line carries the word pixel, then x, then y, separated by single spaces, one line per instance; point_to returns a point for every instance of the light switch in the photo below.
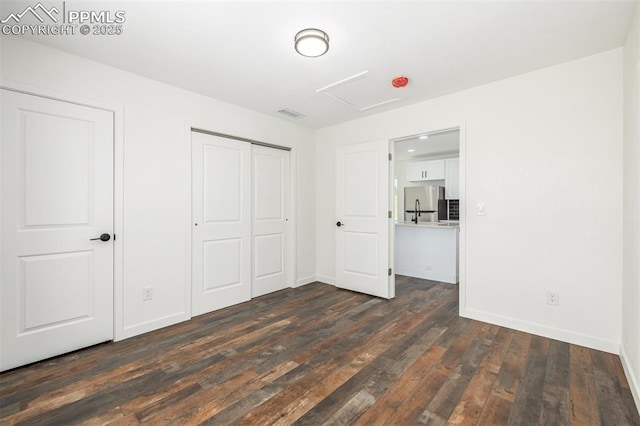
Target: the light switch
pixel 481 209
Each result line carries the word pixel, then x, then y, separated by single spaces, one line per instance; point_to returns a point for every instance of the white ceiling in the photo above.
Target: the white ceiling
pixel 441 144
pixel 242 52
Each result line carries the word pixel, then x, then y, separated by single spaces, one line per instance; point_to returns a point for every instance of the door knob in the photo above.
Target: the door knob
pixel 338 224
pixel 103 237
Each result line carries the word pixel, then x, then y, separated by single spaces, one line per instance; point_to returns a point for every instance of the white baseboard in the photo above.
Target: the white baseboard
pixel 326 280
pixel 305 280
pixel 428 275
pixel 632 376
pixel 543 330
pixel 145 327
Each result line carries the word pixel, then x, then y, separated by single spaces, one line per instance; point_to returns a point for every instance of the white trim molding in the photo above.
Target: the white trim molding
pixel 632 376
pixel 543 330
pixel 155 324
pixel 326 280
pixel 304 281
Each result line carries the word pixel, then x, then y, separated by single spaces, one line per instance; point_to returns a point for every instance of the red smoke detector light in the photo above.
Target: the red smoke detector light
pixel 398 82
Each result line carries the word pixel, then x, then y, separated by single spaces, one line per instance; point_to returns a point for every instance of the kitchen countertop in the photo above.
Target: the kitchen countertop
pixel 444 224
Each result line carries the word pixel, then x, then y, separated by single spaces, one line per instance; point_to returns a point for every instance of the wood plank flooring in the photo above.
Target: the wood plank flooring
pixel 318 355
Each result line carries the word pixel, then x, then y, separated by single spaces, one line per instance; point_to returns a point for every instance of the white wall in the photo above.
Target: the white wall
pixel 544 152
pixel 630 347
pixel 156 233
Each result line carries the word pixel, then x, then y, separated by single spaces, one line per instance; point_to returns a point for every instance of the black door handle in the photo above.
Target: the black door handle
pixel 103 237
pixel 338 224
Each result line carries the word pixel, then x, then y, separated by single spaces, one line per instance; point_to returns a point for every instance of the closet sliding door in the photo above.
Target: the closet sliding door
pixel 221 228
pixel 270 220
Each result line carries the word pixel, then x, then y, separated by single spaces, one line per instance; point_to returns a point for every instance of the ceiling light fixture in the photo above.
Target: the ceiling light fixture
pixel 311 42
pixel 410 150
pixel 424 137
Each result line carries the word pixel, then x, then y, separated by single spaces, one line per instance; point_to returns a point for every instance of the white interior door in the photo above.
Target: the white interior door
pixel 56 293
pixel 221 237
pixel 270 220
pixel 362 226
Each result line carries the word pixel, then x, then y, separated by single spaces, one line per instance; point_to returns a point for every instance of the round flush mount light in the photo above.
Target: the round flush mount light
pixel 312 42
pixel 424 137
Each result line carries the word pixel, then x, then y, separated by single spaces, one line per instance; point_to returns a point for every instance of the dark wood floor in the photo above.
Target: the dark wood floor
pixel 318 355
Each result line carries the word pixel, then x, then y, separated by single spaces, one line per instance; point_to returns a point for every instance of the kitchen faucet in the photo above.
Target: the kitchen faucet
pixel 416 209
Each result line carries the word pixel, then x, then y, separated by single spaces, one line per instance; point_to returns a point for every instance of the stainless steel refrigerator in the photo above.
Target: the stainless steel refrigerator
pixel 426 203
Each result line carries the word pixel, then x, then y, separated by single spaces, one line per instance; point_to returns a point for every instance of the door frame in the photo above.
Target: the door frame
pixel 189 127
pixel 118 184
pixel 462 246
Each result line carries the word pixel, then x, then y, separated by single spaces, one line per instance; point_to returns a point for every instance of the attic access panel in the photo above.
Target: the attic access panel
pixel 360 92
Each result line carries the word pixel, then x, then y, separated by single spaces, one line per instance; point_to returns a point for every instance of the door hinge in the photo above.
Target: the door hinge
pixel 390 156
pixel 389 271
pixel 114 237
pixel 390 214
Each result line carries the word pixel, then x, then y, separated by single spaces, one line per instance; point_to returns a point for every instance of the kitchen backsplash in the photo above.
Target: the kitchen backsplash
pixel 454 209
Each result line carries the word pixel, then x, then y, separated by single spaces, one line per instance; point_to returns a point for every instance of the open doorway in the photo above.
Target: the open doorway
pixel 426 204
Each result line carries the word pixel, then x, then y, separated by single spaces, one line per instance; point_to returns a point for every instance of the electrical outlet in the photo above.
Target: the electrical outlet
pixel 147 293
pixel 553 298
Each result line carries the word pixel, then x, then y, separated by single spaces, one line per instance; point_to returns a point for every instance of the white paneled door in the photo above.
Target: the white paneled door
pixel 362 222
pixel 221 210
pixel 56 293
pixel 270 220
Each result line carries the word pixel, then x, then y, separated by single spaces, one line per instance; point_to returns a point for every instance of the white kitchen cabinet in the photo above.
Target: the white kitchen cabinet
pixel 452 178
pixel 425 170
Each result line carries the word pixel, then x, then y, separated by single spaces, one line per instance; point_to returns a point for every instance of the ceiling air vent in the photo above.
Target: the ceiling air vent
pixel 291 113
